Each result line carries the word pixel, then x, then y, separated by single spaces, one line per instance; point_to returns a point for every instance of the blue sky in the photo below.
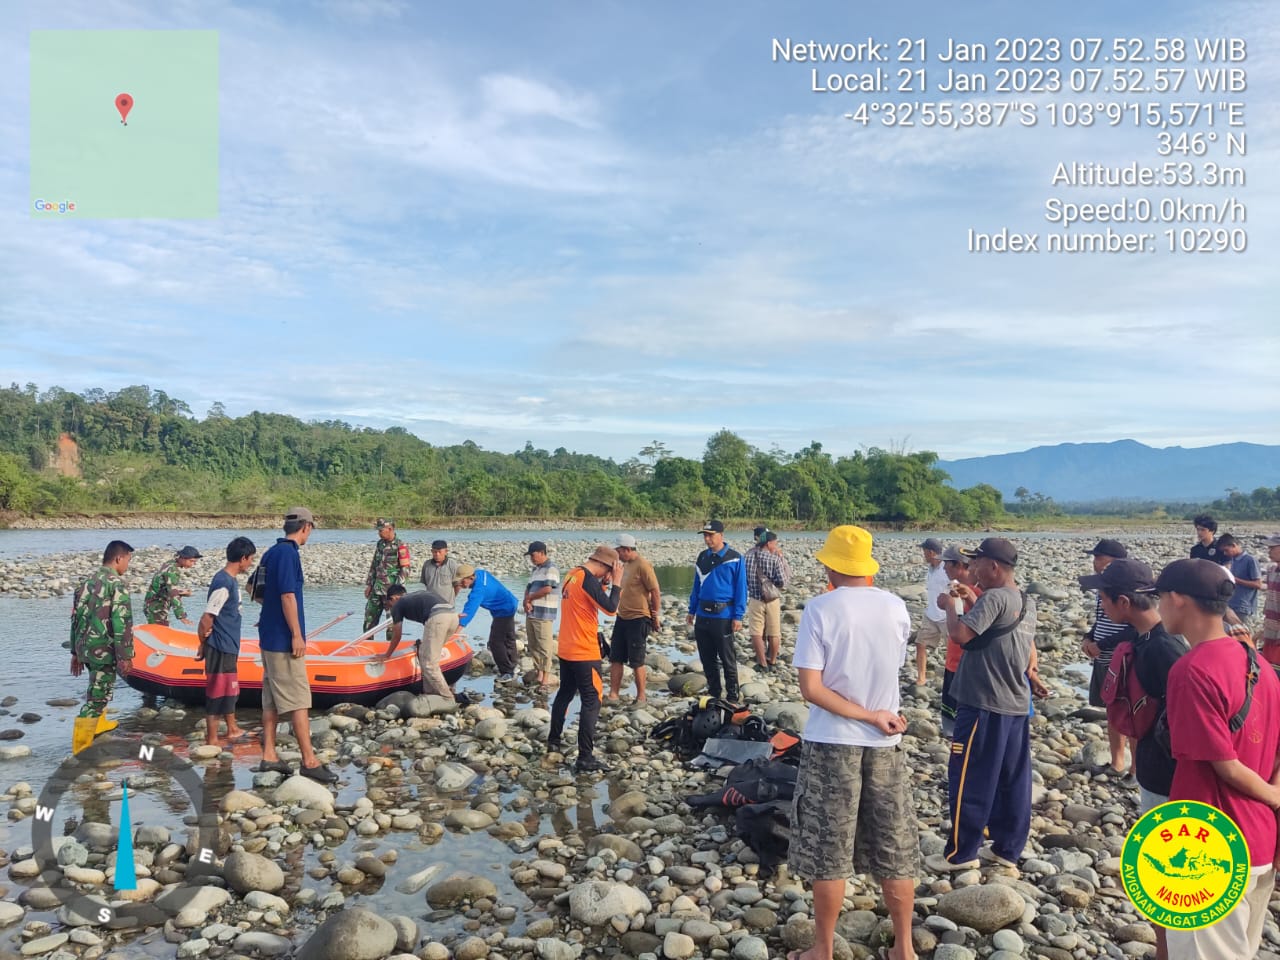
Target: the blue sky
pixel 595 225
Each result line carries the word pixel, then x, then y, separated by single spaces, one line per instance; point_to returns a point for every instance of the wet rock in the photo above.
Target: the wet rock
pixel 11 734
pixel 262 944
pixel 460 888
pixel 594 902
pixel 304 792
pixel 454 776
pixel 353 934
pixel 624 848
pixel 249 871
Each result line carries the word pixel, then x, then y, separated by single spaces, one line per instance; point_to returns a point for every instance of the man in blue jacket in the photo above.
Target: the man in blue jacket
pixel 717 605
pixel 488 592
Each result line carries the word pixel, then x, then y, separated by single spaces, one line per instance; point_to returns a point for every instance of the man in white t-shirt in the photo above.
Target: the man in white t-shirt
pixel 933 623
pixel 853 779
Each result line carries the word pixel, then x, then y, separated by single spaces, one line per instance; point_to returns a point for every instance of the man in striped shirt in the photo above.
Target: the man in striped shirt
pixel 765 561
pixel 1103 638
pixel 541 604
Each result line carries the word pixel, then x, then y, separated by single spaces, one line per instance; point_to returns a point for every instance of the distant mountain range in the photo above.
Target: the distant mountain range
pixel 1124 469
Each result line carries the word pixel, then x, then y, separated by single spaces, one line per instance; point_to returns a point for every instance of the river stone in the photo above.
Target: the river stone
pixel 305 793
pixel 492 728
pixel 261 900
pixel 472 948
pixel 41 945
pixel 9 913
pixel 249 871
pixel 406 932
pixel 550 948
pixel 431 705
pixel 594 902
pixel 677 946
pixel 687 684
pixel 263 944
pixel 454 776
pixel 624 848
pixel 240 801
pixel 460 888
pixel 750 948
pixel 986 907
pixel 195 912
pixel 472 819
pixel 352 934
pixel 630 804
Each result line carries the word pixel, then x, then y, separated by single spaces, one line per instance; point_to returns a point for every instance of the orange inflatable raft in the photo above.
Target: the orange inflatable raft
pixel 164 665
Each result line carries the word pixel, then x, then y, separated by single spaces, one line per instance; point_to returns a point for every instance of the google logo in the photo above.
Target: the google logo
pixel 56 206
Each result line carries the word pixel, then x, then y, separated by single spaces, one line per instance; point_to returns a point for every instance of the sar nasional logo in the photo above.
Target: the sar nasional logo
pixel 84 790
pixel 1185 865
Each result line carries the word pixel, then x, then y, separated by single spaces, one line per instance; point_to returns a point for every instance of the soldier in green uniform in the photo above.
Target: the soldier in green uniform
pixel 389 568
pixel 165 590
pixel 101 639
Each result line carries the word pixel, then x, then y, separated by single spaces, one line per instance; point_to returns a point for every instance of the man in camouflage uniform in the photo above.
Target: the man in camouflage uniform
pixel 389 568
pixel 101 639
pixel 165 590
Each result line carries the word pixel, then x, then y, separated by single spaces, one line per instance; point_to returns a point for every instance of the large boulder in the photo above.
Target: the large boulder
pixel 246 872
pixel 352 934
pixel 596 901
pixel 986 907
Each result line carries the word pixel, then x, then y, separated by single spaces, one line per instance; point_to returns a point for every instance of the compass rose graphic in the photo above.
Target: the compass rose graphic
pixel 146 764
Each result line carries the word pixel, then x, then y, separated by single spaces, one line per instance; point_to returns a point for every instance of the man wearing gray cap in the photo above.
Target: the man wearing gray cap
pixel 639 612
pixel 933 625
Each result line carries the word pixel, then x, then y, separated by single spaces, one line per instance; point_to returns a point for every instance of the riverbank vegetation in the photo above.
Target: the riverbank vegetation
pixel 139 449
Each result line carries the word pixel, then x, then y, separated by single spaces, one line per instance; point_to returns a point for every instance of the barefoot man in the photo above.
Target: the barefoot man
pixel 219 633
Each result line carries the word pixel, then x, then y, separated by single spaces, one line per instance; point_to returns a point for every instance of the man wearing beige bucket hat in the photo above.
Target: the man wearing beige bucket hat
pixel 853 779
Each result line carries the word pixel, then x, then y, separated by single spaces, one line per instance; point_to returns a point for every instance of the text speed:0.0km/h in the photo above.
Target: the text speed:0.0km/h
pixel 1207 240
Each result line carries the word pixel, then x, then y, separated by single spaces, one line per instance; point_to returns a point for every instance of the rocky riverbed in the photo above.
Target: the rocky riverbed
pixel 304 871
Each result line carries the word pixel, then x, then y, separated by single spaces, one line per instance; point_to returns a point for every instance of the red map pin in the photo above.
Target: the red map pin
pixel 124 103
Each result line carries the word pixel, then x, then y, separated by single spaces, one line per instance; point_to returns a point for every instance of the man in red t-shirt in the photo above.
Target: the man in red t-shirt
pixel 1235 772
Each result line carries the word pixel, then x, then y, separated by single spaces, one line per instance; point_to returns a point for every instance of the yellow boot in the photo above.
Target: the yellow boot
pixel 104 725
pixel 82 733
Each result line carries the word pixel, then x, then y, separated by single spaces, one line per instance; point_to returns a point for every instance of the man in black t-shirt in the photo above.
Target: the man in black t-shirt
pixel 437 615
pixel 1206 547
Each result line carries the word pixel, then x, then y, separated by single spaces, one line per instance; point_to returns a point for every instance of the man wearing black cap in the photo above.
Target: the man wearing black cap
pixel 541 604
pixel 1103 637
pixel 933 624
pixel 390 567
pixel 439 573
pixel 1124 588
pixel 1233 770
pixel 165 591
pixel 990 768
pixel 717 604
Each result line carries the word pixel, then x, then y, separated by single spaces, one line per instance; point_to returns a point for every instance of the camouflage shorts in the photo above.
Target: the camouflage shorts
pixel 853 814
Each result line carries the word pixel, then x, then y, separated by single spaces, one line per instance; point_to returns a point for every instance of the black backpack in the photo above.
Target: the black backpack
pixel 705 717
pixel 257 583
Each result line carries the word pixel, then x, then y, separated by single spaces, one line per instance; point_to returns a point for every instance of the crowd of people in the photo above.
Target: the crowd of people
pixel 1192 632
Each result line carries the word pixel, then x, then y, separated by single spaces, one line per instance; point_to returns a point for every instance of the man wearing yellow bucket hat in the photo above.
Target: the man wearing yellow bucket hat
pixel 853 777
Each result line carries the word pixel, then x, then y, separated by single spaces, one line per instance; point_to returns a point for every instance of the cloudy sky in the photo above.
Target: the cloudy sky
pixel 594 225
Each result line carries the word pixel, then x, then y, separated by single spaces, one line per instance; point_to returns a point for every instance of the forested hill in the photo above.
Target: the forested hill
pixel 141 449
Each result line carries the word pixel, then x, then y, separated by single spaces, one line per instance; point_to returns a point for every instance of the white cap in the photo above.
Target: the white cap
pixel 625 540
